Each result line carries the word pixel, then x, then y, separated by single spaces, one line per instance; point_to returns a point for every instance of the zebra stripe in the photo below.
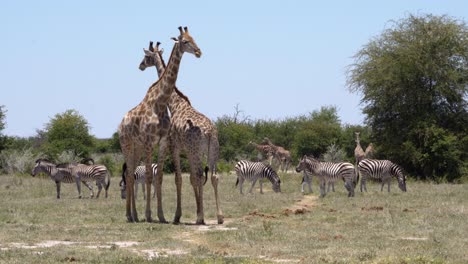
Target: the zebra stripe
pixel 88 173
pixel 329 172
pixel 58 175
pixel 382 170
pixel 252 171
pixel 307 179
pixel 139 179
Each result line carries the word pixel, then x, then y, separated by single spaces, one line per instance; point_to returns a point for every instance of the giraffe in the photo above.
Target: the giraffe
pixel 281 154
pixel 148 124
pixel 192 133
pixel 264 149
pixel 358 151
pixel 369 153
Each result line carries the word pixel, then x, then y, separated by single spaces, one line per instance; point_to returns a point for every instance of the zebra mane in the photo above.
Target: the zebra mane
pixel 43 160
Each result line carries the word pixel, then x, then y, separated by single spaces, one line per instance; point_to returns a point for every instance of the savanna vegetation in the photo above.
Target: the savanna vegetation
pixel 413 82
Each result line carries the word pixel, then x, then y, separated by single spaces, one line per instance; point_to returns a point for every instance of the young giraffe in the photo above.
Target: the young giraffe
pixel 148 124
pixel 193 133
pixel 264 149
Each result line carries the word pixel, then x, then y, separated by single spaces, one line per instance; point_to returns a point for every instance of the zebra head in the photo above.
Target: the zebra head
pixel 302 164
pixel 277 186
pixel 41 166
pixel 307 164
pixel 401 178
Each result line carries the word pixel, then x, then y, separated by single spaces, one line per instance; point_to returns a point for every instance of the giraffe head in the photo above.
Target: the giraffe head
pixel 187 43
pixel 357 136
pixel 151 56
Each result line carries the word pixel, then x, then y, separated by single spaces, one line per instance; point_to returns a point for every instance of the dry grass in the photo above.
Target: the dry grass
pixel 428 224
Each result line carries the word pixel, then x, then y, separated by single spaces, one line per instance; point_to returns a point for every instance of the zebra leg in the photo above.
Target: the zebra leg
pixel 57 186
pixel 78 186
pixel 99 185
pixel 90 188
pixel 261 186
pixel 388 182
pixel 241 182
pixel 253 184
pixel 333 186
pixel 322 188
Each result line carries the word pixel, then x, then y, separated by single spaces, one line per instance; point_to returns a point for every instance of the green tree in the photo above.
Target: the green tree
pixel 316 132
pixel 413 79
pixel 68 131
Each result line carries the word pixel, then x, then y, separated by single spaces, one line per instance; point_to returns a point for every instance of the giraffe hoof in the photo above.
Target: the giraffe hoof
pixel 220 219
pixel 200 222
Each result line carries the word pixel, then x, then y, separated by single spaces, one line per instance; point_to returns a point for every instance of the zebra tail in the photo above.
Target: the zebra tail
pixel 108 180
pixel 237 182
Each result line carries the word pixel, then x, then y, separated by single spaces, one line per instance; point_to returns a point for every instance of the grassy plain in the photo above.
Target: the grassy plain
pixel 428 224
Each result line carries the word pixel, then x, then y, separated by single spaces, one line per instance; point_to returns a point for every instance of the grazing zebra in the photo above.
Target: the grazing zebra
pixel 139 179
pixel 329 172
pixel 58 175
pixel 252 171
pixel 381 170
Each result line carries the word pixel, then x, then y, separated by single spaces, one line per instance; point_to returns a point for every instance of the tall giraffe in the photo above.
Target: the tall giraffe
pixel 264 149
pixel 192 133
pixel 148 124
pixel 359 153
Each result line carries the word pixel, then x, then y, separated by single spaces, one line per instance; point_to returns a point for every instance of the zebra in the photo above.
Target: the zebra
pixel 58 175
pixel 382 170
pixel 307 179
pixel 88 173
pixel 139 179
pixel 252 171
pixel 329 171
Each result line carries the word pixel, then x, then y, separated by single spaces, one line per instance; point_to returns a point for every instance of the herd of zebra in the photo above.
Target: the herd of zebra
pixel 326 172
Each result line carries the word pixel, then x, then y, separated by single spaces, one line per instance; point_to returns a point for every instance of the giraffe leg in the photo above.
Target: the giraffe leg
pixel 132 214
pixel 159 179
pixel 148 181
pixel 178 182
pixel 214 182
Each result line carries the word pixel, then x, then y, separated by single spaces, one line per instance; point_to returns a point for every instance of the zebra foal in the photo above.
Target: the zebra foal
pixel 252 171
pixel 58 175
pixel 382 170
pixel 139 179
pixel 329 172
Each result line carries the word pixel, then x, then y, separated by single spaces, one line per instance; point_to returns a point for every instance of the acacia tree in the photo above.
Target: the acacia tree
pixel 68 131
pixel 413 79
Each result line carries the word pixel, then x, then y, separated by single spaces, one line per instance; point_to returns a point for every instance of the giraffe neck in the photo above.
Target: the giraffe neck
pixel 159 94
pixel 169 75
pixel 177 100
pixel 159 64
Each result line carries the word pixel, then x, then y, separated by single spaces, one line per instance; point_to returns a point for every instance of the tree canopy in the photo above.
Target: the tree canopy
pixel 413 81
pixel 68 131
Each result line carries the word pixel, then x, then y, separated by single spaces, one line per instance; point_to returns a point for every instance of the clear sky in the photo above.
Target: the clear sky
pixel 275 59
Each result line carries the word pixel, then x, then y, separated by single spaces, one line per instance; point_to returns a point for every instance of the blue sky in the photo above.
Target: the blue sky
pixel 274 59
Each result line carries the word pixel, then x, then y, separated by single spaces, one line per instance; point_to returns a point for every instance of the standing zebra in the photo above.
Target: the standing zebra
pixel 329 171
pixel 88 173
pixel 307 179
pixel 139 179
pixel 381 170
pixel 252 171
pixel 58 175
